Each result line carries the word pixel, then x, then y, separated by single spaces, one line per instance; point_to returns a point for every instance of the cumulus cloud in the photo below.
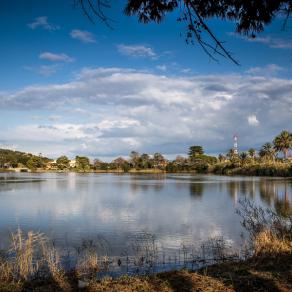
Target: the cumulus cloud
pixel 114 110
pixel 55 57
pixel 42 22
pixel 252 120
pixel 137 51
pixel 83 36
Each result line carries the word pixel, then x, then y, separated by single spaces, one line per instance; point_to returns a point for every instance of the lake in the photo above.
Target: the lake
pixel 177 209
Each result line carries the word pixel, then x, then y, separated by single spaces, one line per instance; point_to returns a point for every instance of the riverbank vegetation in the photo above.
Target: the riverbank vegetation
pixel 272 159
pixel 33 263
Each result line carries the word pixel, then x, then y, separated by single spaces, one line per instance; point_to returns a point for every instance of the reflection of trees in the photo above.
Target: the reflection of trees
pixel 244 186
pixel 149 182
pixel 283 205
pixel 276 193
pixel 233 188
pixel 268 191
pixel 196 189
pixel 252 189
pixel 247 188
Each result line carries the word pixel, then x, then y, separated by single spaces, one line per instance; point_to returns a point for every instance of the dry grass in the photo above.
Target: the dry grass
pixel 267 244
pixel 164 282
pixel 30 257
pixel 88 265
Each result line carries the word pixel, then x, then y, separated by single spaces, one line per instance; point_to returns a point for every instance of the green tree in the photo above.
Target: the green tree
pixel 134 159
pixel 145 161
pixel 97 164
pixel 63 162
pixel 267 151
pixel 283 142
pixel 158 160
pixel 181 161
pixel 252 153
pixel 82 163
pixel 243 157
pixel 195 150
pixel 34 162
pixel 119 162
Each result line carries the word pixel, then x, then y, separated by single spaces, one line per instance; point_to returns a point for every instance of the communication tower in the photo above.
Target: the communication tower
pixel 235 144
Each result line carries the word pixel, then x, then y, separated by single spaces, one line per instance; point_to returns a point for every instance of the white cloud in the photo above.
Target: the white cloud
pixel 111 111
pixel 161 67
pixel 270 41
pixel 252 120
pixel 55 57
pixel 137 51
pixel 274 42
pixel 44 70
pixel 42 22
pixel 266 70
pixel 82 35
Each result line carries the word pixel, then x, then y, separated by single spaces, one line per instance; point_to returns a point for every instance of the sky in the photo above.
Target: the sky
pixel 68 86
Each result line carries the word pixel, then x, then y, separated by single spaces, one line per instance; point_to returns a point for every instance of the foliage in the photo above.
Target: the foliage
pixel 252 153
pixel 283 142
pixel 195 151
pixel 35 162
pixel 254 169
pixel 269 231
pixel 15 158
pixel 244 163
pixel 134 159
pixel 82 163
pixel 63 162
pixel 267 152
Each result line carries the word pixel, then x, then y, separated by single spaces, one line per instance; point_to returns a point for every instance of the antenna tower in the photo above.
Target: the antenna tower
pixel 235 144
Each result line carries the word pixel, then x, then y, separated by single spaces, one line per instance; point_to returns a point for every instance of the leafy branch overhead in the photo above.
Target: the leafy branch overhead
pixel 250 17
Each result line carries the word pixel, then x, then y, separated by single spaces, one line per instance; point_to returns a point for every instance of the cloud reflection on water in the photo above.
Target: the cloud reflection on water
pixel 177 209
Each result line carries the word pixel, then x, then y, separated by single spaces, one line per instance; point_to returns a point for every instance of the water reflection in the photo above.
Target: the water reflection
pixel 177 209
pixel 196 190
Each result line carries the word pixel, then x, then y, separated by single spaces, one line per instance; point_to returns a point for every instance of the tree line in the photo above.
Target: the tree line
pixel 196 160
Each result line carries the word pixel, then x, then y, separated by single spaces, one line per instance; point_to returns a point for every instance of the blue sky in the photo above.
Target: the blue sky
pixel 71 87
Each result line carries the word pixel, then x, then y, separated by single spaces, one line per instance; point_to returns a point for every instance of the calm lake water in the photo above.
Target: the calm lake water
pixel 177 209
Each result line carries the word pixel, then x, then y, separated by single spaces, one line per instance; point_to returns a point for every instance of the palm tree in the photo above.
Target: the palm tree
pixel 267 151
pixel 283 142
pixel 243 156
pixel 252 153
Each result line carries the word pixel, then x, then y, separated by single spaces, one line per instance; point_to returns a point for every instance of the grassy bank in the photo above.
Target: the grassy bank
pixel 268 271
pixel 254 169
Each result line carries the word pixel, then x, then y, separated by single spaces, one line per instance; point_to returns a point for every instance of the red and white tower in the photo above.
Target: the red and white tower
pixel 235 144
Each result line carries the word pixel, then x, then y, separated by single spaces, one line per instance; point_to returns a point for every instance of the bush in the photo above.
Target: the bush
pixel 270 233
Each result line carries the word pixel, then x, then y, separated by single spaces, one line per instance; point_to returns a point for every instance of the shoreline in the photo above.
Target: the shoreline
pixel 148 171
pixel 259 273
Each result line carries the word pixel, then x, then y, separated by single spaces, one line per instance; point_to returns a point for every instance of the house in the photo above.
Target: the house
pixel 72 163
pixel 51 165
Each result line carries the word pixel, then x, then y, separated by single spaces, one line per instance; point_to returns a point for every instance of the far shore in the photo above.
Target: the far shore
pixel 238 172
